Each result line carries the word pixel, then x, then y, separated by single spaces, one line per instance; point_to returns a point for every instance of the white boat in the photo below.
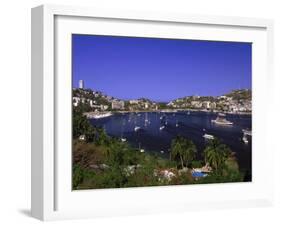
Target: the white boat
pixel 220 120
pixel 247 132
pixel 137 128
pixel 162 127
pixel 123 139
pixel 177 125
pixel 96 115
pixel 162 152
pixel 208 136
pixel 245 140
pixel 141 149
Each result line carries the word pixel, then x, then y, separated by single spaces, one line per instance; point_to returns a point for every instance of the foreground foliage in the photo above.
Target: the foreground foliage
pixel 101 161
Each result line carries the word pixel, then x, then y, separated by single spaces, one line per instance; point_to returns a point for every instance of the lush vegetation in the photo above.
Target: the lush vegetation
pixel 100 161
pixel 183 150
pixel 216 155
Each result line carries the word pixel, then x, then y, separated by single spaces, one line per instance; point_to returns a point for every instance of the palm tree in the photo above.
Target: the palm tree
pixel 189 151
pixel 216 154
pixel 183 149
pixel 176 149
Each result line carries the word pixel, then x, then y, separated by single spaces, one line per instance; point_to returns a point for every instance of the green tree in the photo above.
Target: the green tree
pixel 77 176
pixel 176 149
pixel 216 154
pixel 102 138
pixel 82 126
pixel 183 150
pixel 189 151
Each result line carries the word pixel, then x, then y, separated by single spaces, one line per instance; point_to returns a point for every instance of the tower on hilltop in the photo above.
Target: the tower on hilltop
pixel 81 84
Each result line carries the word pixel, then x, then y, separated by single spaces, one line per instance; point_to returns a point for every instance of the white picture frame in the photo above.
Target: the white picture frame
pixel 52 197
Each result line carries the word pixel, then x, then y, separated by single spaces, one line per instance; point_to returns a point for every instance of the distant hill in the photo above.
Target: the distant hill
pixel 239 100
pixel 240 94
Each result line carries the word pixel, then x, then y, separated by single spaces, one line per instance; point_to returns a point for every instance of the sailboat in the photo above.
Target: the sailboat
pixel 245 139
pixel 137 128
pixel 161 127
pixel 122 131
pixel 208 136
pixel 146 121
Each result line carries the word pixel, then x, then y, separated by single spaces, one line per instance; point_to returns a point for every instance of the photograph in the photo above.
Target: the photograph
pixel 150 111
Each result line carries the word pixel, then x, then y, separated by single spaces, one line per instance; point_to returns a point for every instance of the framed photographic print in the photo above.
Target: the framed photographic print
pixel 137 112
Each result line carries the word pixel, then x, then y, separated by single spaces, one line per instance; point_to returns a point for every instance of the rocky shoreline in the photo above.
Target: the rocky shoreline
pixel 104 114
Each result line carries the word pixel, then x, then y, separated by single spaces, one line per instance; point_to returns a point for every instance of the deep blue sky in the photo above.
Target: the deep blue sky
pixel 160 69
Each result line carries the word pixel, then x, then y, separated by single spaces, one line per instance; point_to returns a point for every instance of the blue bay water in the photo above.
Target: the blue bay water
pixel 192 125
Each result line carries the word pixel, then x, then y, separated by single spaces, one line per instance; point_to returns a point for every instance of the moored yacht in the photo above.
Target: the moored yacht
pixel 208 136
pixel 245 139
pixel 247 132
pixel 221 120
pixel 162 127
pixel 97 115
pixel 137 128
pixel 123 139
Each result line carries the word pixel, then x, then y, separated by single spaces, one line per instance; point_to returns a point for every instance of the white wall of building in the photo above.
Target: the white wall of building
pixel 81 84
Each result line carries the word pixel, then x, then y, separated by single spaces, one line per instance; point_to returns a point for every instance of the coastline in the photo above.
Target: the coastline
pixel 104 114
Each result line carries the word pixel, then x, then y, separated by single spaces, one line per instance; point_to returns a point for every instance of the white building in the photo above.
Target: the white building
pixel 171 103
pixel 133 101
pixel 196 104
pixel 213 105
pixel 222 97
pixel 207 104
pixel 117 104
pixel 77 100
pixel 92 103
pixel 81 84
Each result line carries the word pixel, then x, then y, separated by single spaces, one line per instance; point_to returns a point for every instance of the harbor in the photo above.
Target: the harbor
pixel 152 132
pixel 156 112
